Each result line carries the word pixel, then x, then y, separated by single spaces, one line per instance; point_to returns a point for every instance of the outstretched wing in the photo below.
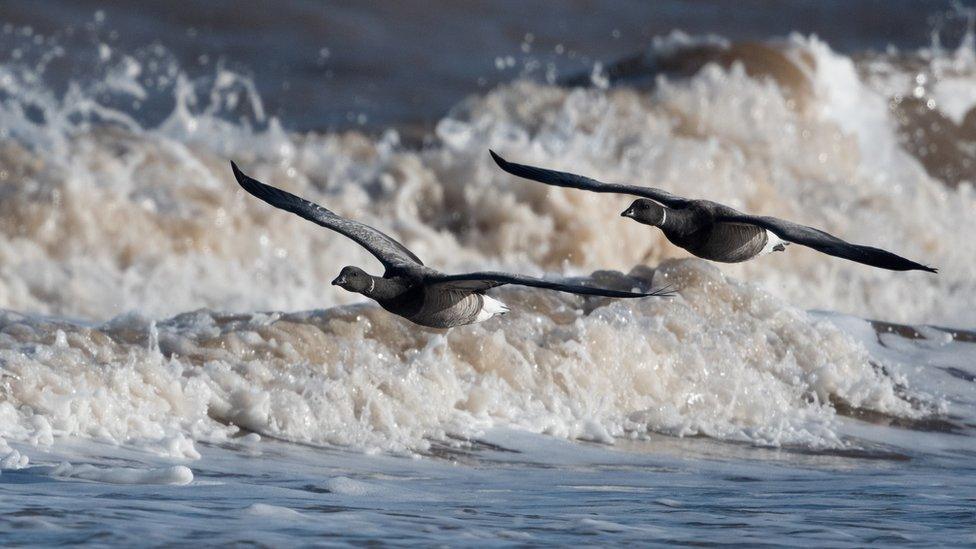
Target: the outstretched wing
pixel 391 253
pixel 476 282
pixel 564 179
pixel 828 243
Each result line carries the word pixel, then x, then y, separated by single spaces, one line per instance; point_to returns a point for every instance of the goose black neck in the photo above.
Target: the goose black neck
pixel 385 288
pixel 678 221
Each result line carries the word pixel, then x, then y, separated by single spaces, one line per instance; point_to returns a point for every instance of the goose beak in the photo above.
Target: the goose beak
pixel 339 280
pixel 629 212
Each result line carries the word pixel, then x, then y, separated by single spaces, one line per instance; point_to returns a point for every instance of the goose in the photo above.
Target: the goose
pixel 715 231
pixel 408 288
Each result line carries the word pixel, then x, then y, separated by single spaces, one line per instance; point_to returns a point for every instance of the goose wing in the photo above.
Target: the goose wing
pixel 476 282
pixel 826 242
pixel 565 179
pixel 391 253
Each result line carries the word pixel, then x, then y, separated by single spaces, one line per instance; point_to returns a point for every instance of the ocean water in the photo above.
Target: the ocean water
pixel 175 367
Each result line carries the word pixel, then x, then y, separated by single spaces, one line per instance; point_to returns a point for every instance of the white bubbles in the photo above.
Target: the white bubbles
pixel 177 475
pixel 506 62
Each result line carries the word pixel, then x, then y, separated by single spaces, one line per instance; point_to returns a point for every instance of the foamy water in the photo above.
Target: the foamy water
pixel 150 335
pixel 723 360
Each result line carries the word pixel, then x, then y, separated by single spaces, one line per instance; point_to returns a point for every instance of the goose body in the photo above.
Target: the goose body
pixel 696 230
pixel 442 308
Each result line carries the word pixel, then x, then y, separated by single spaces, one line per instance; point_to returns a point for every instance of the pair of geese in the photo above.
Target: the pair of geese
pixel 430 298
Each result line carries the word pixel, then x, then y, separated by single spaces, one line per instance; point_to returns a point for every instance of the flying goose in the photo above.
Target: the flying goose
pixel 409 289
pixel 714 231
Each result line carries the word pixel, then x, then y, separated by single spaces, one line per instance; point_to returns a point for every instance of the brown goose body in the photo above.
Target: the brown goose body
pixel 441 308
pixel 695 229
pixel 730 243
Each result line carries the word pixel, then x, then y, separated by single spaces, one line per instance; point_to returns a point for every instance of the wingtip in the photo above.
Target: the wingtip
pixel 497 158
pixel 246 182
pixel 664 291
pixel 238 174
pixel 660 292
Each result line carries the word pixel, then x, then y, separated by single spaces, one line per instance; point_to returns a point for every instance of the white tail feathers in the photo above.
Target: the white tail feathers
pixel 490 307
pixel 773 244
